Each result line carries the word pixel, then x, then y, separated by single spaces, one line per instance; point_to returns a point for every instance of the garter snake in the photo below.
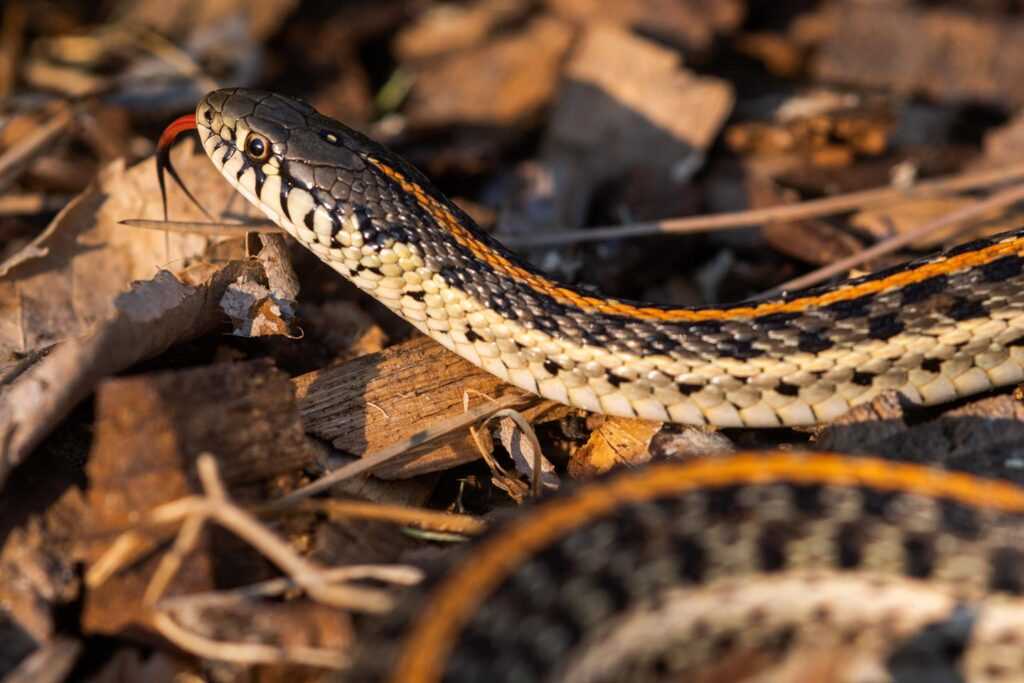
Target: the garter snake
pixel 935 329
pixel 712 571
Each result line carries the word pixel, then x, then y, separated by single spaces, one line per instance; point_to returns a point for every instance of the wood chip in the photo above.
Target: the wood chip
pixel 627 102
pixel 367 404
pixel 633 101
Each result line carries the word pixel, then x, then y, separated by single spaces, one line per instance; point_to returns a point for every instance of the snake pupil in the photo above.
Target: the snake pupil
pixel 256 147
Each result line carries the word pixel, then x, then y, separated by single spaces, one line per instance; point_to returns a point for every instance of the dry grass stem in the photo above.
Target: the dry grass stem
pixel 429 520
pixel 398 574
pixel 740 219
pixel 999 200
pixel 246 653
pixel 367 464
pixel 204 227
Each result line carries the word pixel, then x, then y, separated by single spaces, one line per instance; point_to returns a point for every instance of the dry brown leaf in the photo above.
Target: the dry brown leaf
pixel 616 441
pixel 64 281
pixel 145 322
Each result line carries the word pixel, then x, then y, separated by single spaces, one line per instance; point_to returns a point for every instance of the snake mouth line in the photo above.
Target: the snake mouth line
pixel 215 134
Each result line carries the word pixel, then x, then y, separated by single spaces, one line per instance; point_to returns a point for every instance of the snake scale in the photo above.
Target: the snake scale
pixel 755 567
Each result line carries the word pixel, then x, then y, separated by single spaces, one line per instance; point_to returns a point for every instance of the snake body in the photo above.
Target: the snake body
pixel 756 567
pixel 935 329
pixel 760 567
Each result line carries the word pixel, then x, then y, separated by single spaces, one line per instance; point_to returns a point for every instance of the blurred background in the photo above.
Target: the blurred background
pixel 555 115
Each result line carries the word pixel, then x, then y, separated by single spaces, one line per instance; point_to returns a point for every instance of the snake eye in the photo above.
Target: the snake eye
pixel 257 147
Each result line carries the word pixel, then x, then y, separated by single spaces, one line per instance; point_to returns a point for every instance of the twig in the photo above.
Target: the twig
pixel 526 428
pixel 186 541
pixel 398 514
pixel 739 219
pixel 368 463
pixel 996 201
pixel 400 574
pixel 318 583
pixel 203 227
pixel 121 553
pixel 245 653
pixel 37 143
pixel 304 573
pixel 194 511
pixel 31 204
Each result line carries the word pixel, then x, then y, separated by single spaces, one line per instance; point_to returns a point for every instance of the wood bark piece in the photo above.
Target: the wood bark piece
pixel 382 398
pixel 149 431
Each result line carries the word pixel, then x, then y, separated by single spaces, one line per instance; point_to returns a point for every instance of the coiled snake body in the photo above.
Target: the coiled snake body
pixel 713 571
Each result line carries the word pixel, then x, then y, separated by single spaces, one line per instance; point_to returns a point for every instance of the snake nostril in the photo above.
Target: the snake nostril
pixel 208 115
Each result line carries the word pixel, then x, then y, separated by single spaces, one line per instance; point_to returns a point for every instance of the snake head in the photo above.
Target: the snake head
pixel 306 172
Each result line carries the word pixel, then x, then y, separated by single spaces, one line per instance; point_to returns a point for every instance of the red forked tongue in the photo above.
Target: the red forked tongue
pixel 177 127
pixel 163 159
